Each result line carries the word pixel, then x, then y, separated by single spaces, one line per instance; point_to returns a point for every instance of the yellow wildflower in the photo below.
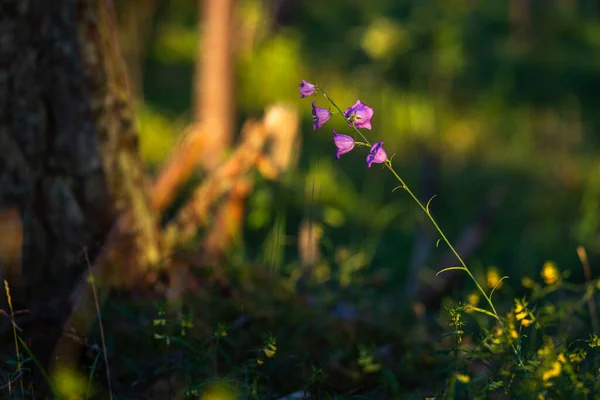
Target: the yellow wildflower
pixel 594 341
pixel 269 353
pixel 270 350
pixel 577 356
pixel 526 322
pixel 520 306
pixel 493 278
pixel 553 372
pixel 561 358
pixel 550 273
pixel 546 349
pixel 521 315
pixel 221 331
pixel 219 390
pixel 463 378
pixel 474 299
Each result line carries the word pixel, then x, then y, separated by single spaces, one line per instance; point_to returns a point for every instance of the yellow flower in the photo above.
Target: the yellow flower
pixel 270 350
pixel 473 299
pixel 521 315
pixel 520 306
pixel 577 356
pixel 219 390
pixel 493 278
pixel 561 358
pixel 553 372
pixel 526 322
pixel 550 273
pixel 463 378
pixel 221 332
pixel 543 352
pixel 514 334
pixel 594 341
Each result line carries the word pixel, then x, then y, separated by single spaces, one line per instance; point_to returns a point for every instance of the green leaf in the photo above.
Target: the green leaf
pixel 482 311
pixel 496 285
pixel 429 202
pixel 458 267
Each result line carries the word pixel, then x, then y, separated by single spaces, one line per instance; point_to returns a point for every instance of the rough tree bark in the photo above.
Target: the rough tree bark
pixel 49 161
pixel 69 158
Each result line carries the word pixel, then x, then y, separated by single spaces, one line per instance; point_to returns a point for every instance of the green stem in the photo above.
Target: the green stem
pixel 388 164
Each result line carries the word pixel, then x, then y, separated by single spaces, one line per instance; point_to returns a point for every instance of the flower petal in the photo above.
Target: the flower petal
pixel 350 110
pixel 360 114
pixel 320 116
pixel 344 143
pixel 307 89
pixel 377 154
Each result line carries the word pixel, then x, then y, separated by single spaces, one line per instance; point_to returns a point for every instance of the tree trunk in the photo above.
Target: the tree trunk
pixel 50 167
pixel 69 158
pixel 213 102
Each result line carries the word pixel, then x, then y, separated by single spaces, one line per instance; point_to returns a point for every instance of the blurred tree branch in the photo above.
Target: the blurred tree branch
pixel 279 129
pixel 213 102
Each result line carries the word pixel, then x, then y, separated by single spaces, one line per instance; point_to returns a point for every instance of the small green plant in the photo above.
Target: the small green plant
pixel 19 362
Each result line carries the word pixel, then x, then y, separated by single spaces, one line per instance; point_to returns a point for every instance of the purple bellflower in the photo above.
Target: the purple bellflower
pixel 307 89
pixel 344 143
pixel 320 116
pixel 360 114
pixel 377 154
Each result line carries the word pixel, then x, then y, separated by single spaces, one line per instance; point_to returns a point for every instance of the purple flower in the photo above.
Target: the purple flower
pixel 360 114
pixel 307 89
pixel 377 154
pixel 344 143
pixel 320 116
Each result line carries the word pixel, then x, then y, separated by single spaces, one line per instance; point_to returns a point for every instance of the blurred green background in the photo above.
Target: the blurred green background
pixel 491 105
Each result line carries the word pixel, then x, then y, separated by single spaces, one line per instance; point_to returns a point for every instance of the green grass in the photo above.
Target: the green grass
pixel 262 339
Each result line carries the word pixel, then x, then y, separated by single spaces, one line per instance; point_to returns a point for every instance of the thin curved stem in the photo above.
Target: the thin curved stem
pixel 342 113
pixel 388 164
